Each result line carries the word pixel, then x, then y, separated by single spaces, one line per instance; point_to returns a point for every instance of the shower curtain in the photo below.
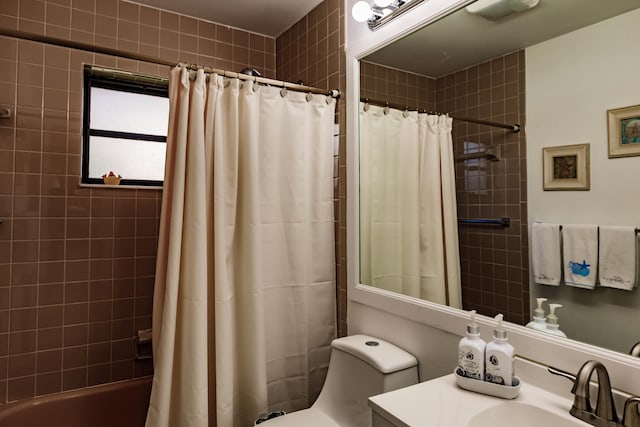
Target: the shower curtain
pixel 408 220
pixel 244 302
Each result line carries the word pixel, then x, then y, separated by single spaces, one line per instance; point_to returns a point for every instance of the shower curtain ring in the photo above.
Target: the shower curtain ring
pixel 365 107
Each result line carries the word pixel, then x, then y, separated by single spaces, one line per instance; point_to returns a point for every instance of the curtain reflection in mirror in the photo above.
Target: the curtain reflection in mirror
pixel 409 236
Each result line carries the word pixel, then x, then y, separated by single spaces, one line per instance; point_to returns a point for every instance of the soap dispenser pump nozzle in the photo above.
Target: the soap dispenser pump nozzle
pixel 552 319
pixel 539 311
pixel 472 327
pixel 499 331
pixel 538 320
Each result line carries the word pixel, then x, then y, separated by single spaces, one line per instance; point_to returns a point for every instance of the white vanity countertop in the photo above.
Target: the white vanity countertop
pixel 440 402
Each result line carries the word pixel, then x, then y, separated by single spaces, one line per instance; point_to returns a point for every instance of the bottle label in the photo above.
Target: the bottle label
pixel 499 368
pixel 470 362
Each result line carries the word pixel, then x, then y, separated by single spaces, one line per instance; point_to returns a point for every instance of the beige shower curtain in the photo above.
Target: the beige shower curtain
pixel 244 303
pixel 408 220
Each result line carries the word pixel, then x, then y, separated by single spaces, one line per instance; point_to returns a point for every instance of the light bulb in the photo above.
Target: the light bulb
pixel 386 11
pixel 383 3
pixel 361 11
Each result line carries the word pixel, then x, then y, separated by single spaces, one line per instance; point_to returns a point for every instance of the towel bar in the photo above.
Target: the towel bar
pixel 637 229
pixel 504 222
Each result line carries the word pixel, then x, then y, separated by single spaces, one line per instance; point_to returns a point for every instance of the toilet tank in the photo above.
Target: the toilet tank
pixel 362 366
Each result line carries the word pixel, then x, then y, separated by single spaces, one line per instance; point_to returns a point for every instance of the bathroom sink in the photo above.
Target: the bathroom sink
pixel 511 414
pixel 542 401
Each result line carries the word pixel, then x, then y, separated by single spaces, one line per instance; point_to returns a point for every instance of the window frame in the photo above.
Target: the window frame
pixel 124 82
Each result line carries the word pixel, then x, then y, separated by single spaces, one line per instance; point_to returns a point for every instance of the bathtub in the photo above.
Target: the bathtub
pixel 120 404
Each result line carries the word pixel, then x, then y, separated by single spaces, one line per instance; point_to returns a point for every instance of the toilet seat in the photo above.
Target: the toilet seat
pixel 307 417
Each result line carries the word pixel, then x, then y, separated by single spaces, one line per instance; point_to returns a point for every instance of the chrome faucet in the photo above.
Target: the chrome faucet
pixel 605 412
pixel 631 414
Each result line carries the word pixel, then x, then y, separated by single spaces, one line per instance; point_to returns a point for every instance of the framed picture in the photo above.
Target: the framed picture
pixel 566 167
pixel 624 131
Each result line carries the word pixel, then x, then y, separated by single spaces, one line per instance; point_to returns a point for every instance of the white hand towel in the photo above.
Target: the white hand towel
pixel 580 255
pixel 545 253
pixel 617 258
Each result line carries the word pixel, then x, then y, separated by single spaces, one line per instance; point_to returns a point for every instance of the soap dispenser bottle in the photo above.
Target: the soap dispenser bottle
pixel 538 321
pixel 471 352
pixel 500 357
pixel 552 321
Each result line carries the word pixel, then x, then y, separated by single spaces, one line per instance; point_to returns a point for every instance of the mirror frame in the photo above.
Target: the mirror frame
pixel 545 349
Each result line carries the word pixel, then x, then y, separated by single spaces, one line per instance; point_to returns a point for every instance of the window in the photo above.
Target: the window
pixel 475 170
pixel 125 127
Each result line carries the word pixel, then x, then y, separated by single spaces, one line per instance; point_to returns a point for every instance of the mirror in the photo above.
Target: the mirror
pixel 555 70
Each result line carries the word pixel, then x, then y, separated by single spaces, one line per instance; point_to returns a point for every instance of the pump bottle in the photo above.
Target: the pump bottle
pixel 471 352
pixel 552 321
pixel 538 321
pixel 500 357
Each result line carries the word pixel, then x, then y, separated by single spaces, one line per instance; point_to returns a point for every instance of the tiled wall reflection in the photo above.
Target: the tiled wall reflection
pixel 77 264
pixel 312 51
pixel 494 260
pixel 386 84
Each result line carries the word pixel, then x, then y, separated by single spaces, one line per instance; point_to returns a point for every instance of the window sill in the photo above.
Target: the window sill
pixel 124 187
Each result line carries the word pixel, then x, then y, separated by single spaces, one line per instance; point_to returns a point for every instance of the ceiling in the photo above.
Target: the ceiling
pixel 461 39
pixel 267 17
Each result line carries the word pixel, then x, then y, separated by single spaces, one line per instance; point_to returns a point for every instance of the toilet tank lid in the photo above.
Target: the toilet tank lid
pixel 380 354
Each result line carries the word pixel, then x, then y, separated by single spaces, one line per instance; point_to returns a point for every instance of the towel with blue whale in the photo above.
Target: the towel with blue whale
pixel 580 255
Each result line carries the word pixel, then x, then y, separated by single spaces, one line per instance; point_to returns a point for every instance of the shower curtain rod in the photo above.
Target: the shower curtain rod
pixel 513 128
pixel 335 93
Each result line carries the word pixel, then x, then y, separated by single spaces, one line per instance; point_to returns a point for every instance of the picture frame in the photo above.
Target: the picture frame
pixel 566 168
pixel 623 128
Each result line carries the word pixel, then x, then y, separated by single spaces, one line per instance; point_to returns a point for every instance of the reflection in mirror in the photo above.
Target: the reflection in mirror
pixel 408 215
pixel 635 350
pixel 472 68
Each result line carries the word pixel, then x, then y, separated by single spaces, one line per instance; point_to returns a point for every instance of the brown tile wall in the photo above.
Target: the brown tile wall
pixel 381 83
pixel 494 260
pixel 312 51
pixel 77 264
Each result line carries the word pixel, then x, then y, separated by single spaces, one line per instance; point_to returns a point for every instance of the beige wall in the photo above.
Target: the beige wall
pixel 77 264
pixel 596 76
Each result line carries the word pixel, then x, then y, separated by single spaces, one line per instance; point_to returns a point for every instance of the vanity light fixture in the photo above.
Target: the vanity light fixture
pixel 494 10
pixel 381 11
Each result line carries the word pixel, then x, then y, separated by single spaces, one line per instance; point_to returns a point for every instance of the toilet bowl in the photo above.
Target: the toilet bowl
pixel 360 366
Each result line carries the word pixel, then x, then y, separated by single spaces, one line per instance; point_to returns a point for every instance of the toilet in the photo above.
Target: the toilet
pixel 360 366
